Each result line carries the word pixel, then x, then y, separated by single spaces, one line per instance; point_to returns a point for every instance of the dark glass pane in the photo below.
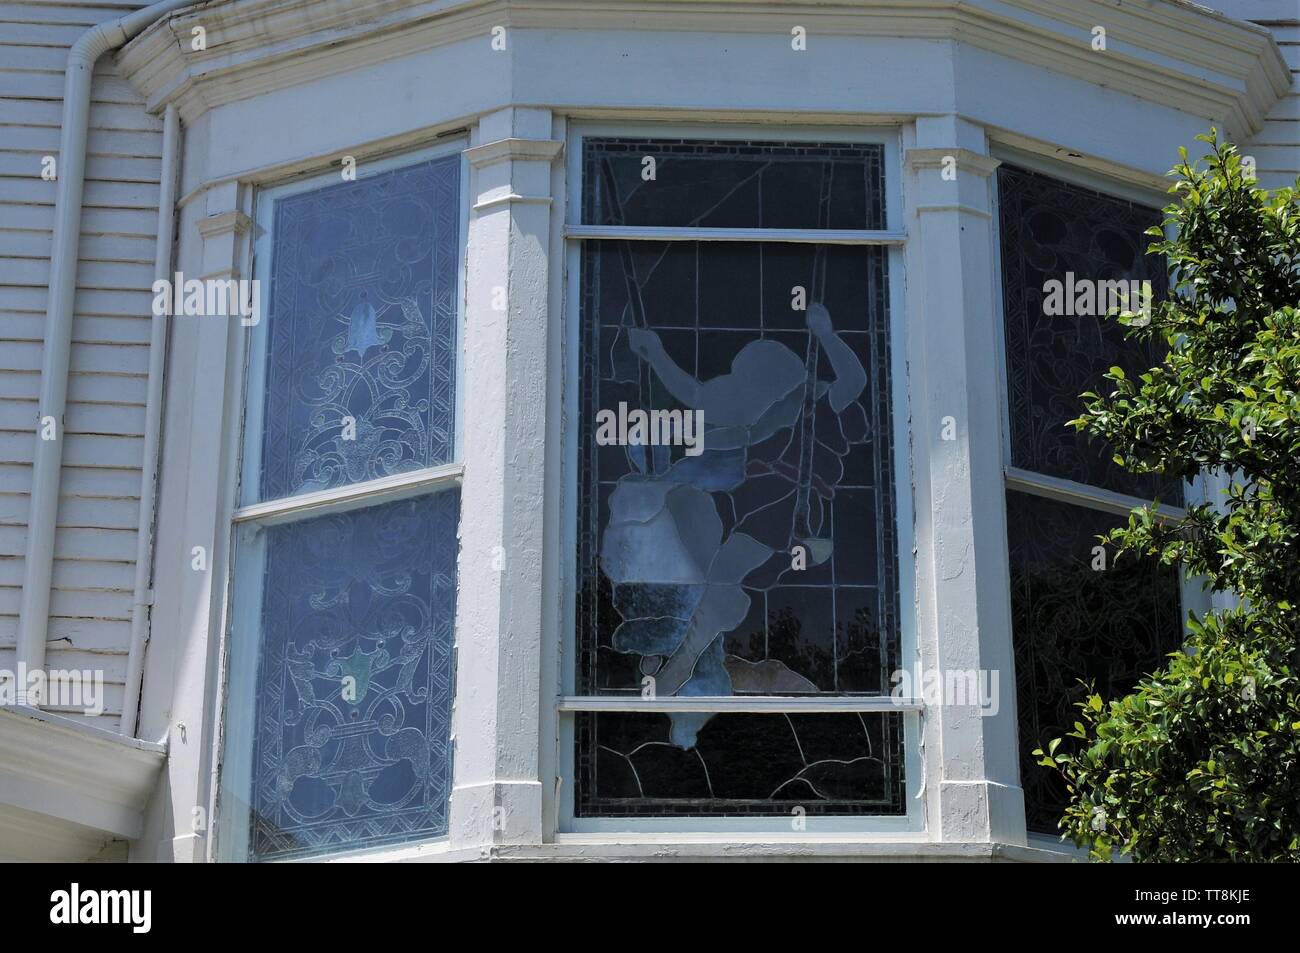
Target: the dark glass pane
pixel 733 184
pixel 1051 230
pixel 766 563
pixel 1071 622
pixel 360 376
pixel 354 679
pixel 741 765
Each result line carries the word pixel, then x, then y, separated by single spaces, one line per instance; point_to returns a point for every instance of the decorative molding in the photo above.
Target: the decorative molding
pixel 1165 51
pixel 509 150
pixel 224 223
pixel 963 160
pixel 82 783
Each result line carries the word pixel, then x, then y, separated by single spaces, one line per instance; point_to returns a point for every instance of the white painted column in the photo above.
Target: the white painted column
pixel 497 795
pixel 964 613
pixel 182 673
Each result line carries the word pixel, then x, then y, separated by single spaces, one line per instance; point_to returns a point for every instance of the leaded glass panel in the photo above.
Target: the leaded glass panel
pixel 337 724
pixel 1055 231
pixel 353 680
pixel 764 561
pixel 1075 622
pixel 746 765
pixel 733 183
pixel 360 366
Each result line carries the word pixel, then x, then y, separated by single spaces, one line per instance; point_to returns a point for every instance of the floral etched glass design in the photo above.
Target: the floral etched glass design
pixel 764 560
pixel 337 733
pixel 1051 230
pixel 354 679
pixel 360 365
pixel 1074 623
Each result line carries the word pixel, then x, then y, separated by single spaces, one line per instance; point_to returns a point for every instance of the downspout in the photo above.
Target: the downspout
pixel 162 269
pixel 47 460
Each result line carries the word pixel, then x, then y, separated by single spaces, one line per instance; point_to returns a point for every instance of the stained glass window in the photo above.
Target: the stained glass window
pixel 756 555
pixel 1075 623
pixel 1053 231
pixel 338 714
pixel 1078 616
pixel 354 678
pixel 359 377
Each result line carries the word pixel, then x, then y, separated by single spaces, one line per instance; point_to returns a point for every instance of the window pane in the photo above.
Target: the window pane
pixel 1055 231
pixel 1074 622
pixel 741 765
pixel 347 668
pixel 360 373
pixel 733 184
pixel 764 562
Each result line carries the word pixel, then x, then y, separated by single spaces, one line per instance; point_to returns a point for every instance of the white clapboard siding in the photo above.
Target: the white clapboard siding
pixel 1277 146
pixel 90 606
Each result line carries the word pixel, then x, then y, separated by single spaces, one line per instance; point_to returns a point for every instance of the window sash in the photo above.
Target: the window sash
pixel 230 832
pixel 248 506
pixel 569 705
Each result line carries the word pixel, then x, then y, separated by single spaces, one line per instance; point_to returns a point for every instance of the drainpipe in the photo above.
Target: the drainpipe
pixel 162 269
pixel 38 566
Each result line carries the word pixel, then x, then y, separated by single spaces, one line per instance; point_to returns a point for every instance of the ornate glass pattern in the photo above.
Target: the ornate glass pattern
pixel 1072 622
pixel 1049 230
pixel 764 563
pixel 743 765
pixel 354 679
pixel 733 184
pixel 360 362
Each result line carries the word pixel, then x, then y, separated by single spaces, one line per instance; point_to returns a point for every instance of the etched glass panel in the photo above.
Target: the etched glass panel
pixel 1073 622
pixel 351 664
pixel 1052 231
pixel 752 550
pixel 360 371
pixel 741 765
pixel 733 183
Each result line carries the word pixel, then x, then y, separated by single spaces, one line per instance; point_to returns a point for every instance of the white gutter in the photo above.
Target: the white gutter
pixel 47 461
pixel 162 269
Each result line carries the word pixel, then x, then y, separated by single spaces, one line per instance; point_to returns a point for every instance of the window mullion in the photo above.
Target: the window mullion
pixel 813 236
pixel 1068 491
pixel 752 704
pixel 352 495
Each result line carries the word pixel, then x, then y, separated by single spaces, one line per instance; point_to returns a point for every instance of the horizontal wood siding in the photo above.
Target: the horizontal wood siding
pixel 95 542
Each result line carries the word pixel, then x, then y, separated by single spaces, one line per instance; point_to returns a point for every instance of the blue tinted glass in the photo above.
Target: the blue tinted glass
pixel 760 556
pixel 352 696
pixel 360 362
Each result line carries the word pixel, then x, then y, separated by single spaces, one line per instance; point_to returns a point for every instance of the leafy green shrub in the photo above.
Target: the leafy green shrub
pixel 1202 761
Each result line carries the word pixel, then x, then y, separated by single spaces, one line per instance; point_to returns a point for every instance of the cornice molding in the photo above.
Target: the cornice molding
pixel 75 775
pixel 502 150
pixel 963 159
pixel 234 222
pixel 1166 51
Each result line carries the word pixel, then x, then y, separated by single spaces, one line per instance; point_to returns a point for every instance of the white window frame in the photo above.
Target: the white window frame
pixel 880 827
pixel 244 572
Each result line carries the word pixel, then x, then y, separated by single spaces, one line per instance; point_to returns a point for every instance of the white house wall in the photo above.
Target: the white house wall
pixel 95 542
